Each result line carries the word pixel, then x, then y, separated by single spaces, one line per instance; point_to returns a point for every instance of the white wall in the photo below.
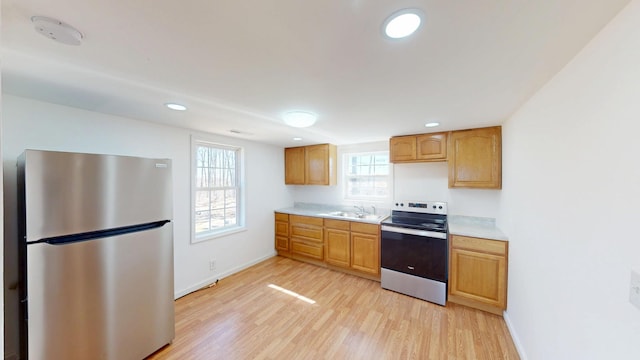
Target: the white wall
pixel 38 125
pixel 430 181
pixel 570 203
pixel 418 181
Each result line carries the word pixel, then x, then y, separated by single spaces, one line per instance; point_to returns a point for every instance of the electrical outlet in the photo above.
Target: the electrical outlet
pixel 634 291
pixel 212 265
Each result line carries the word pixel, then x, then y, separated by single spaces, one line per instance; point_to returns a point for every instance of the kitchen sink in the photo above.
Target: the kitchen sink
pixel 354 215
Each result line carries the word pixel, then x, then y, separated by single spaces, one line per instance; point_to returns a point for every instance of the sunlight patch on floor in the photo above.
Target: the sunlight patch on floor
pixel 291 293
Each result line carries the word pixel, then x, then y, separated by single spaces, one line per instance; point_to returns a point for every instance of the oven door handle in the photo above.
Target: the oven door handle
pixel 431 234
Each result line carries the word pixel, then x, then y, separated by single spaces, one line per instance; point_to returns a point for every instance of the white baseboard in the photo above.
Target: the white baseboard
pixel 219 276
pixel 514 337
pixel 10 356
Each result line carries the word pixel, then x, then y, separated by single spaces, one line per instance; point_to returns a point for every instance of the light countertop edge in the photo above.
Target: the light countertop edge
pixel 475 227
pixel 322 213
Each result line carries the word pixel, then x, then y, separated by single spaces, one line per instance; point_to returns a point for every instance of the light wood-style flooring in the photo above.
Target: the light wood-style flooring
pixel 285 309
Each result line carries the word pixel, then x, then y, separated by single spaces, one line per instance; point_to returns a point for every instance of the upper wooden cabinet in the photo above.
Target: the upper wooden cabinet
pixel 418 148
pixel 310 165
pixel 294 166
pixel 475 158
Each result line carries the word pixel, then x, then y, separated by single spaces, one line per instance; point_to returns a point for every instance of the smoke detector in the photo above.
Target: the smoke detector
pixel 57 30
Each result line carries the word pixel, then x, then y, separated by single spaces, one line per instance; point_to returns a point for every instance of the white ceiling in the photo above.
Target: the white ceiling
pixel 240 64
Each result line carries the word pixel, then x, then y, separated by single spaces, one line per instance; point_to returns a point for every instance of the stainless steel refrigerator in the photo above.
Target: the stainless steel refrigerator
pixel 96 255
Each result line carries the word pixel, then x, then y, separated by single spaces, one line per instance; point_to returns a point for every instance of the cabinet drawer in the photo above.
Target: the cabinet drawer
pixel 282 217
pixel 311 250
pixel 297 219
pixel 477 244
pixel 306 232
pixel 282 228
pixel 365 228
pixel 336 224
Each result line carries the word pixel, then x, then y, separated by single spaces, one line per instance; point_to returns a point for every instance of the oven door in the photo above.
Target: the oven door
pixel 415 252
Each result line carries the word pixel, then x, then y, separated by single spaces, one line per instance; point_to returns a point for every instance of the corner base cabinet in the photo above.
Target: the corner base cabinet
pixel 478 273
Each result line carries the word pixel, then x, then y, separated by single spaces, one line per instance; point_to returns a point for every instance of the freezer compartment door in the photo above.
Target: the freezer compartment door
pixel 70 193
pixel 109 298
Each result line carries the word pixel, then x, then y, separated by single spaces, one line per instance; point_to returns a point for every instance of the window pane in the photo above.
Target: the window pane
pixel 217 218
pixel 216 193
pixel 202 221
pixel 202 202
pixel 367 176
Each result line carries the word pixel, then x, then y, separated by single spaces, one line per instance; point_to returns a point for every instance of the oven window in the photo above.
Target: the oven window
pixel 416 255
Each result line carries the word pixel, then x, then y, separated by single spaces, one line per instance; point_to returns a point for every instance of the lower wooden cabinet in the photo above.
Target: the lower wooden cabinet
pixel 337 242
pixel 282 232
pixel 365 247
pixel 306 236
pixel 350 245
pixel 478 273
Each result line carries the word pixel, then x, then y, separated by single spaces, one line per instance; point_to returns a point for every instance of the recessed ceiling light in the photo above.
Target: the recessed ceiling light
pixel 297 139
pixel 174 106
pixel 402 23
pixel 299 118
pixel 432 124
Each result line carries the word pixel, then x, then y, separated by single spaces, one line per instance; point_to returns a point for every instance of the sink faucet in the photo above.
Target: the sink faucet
pixel 361 208
pixel 374 209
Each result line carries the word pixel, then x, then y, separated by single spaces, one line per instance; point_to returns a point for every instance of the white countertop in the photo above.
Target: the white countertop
pixel 323 211
pixel 475 227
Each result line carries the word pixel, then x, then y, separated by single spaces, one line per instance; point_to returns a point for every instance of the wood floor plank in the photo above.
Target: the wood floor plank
pixel 285 309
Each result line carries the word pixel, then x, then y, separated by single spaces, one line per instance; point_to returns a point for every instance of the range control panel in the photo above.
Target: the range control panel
pixel 428 207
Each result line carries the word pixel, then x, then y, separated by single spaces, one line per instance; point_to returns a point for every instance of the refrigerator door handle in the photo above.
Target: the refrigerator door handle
pixel 92 235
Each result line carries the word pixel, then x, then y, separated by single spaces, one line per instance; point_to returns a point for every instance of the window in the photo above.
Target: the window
pixel 367 176
pixel 217 190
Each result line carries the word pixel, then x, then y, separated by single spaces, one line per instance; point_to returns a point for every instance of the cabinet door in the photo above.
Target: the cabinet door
pixel 282 235
pixel 320 165
pixel 365 253
pixel 475 158
pixel 337 248
pixel 282 243
pixel 402 148
pixel 282 232
pixel 431 147
pixel 479 277
pixel 294 166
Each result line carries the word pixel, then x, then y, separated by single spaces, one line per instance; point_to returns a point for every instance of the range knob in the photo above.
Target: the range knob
pixel 440 207
pixel 434 206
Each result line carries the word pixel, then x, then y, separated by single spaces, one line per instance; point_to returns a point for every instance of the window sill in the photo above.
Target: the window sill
pixel 219 234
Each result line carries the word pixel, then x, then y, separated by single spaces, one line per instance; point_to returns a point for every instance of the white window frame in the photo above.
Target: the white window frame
pixel 240 184
pixel 346 177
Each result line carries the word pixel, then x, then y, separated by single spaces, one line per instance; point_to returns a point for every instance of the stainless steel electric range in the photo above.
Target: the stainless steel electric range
pixel 414 254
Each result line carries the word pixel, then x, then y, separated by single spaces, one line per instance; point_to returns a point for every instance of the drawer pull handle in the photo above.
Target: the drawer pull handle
pixel 411 267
